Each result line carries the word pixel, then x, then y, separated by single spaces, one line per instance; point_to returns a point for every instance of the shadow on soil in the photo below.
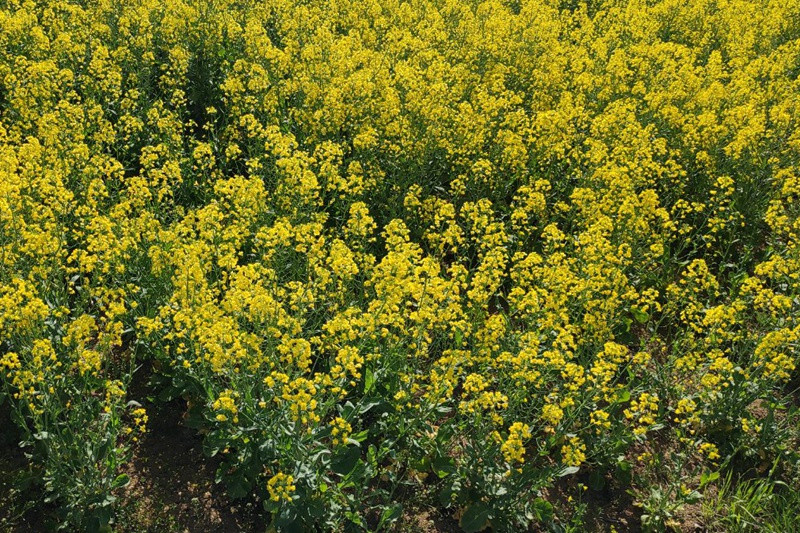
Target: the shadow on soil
pixel 172 483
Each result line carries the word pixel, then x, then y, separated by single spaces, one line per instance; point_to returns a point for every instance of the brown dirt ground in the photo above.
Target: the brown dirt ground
pixel 172 485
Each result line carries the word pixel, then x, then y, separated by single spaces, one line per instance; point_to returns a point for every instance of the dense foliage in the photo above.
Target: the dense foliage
pixel 448 251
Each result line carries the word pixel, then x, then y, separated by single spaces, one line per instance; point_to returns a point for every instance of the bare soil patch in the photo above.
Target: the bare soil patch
pixel 172 482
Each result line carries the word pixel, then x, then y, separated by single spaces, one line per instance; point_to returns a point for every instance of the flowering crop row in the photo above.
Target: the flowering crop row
pixel 454 249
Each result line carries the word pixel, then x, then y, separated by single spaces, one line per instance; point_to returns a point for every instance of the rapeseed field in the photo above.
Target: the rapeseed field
pixel 519 263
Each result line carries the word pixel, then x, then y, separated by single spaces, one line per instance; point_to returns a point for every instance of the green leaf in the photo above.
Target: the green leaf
pixel 315 507
pixel 475 518
pixel 369 405
pixel 623 396
pixel 640 316
pixel 361 436
pixel 238 487
pixel 708 477
pixel 213 443
pixel 543 510
pixel 624 472
pixel 390 514
pixel 497 490
pixel 568 470
pixel 628 323
pixel 450 493
pixel 346 460
pixel 287 522
pixel 443 466
pixel 693 497
pixel 271 506
pixel 369 380
pixel 121 481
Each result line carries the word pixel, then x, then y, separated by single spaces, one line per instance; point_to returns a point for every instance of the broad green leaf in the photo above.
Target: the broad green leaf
pixel 120 481
pixel 346 460
pixel 475 518
pixel 568 470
